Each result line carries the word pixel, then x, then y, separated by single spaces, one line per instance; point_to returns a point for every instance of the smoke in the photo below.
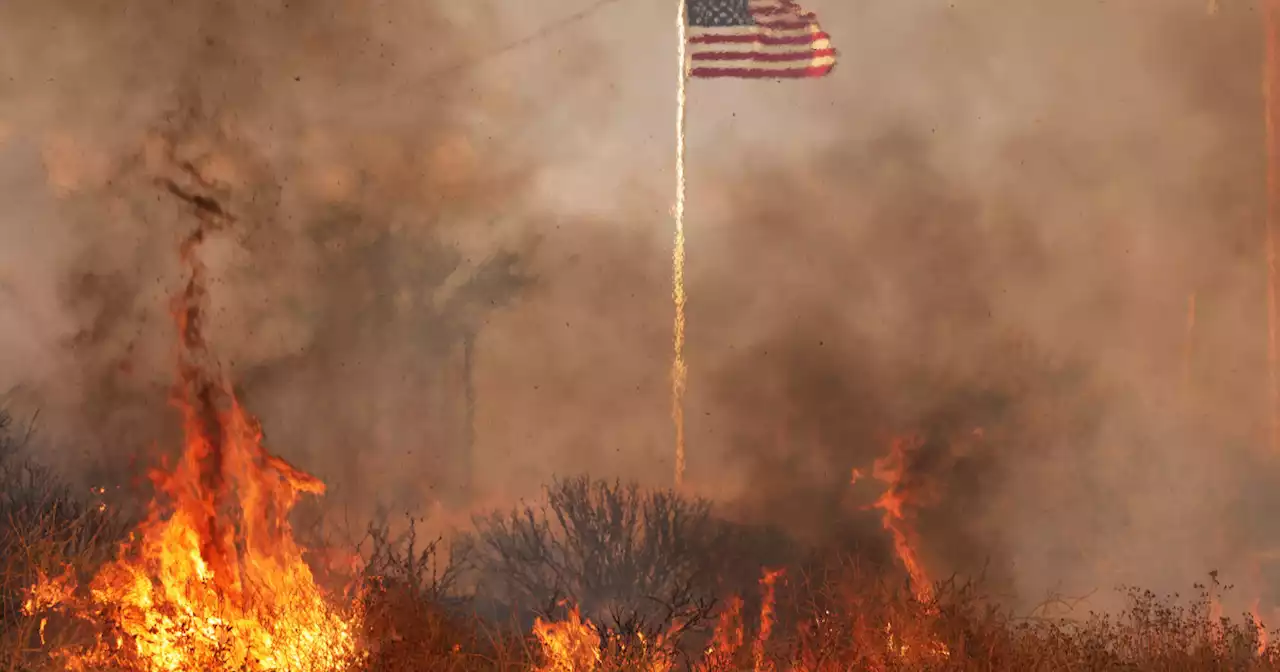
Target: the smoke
pixel 983 229
pixel 992 231
pixel 360 165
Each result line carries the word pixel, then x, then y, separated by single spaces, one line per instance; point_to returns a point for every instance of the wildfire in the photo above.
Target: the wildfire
pixel 213 580
pixel 767 582
pixel 727 639
pixel 890 470
pixel 897 647
pixel 1261 629
pixel 568 646
pixel 216 581
pixel 574 645
pixel 1215 618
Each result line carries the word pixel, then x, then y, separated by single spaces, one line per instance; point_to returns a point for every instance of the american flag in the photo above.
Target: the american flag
pixel 756 39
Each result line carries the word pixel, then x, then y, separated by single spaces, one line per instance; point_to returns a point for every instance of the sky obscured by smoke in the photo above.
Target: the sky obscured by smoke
pixel 990 217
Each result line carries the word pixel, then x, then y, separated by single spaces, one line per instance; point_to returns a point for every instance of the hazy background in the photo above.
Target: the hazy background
pixel 984 228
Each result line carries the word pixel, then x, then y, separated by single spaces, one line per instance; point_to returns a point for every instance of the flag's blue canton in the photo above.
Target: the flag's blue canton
pixel 719 13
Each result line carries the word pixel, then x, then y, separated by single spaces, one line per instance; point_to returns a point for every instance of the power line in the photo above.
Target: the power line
pixel 428 80
pixel 545 31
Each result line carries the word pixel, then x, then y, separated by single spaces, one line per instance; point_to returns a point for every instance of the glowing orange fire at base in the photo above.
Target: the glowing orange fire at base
pixel 1254 613
pixel 214 580
pixel 574 645
pixel 568 646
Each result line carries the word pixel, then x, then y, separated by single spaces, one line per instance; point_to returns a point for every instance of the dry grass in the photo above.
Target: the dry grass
pixel 827 616
pixel 44 529
pixel 846 618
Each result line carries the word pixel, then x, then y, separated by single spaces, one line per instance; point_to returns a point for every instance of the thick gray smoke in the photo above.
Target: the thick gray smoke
pixel 350 152
pixel 999 226
pixel 985 228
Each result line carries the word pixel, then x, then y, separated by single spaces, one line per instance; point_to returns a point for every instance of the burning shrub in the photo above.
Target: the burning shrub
pixel 635 562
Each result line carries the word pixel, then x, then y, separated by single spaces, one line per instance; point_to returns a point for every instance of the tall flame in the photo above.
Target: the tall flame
pixel 1259 626
pixel 726 640
pixel 767 615
pixel 213 579
pixel 891 470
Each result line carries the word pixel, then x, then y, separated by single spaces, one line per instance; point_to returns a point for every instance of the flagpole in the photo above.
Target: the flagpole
pixel 1271 79
pixel 679 370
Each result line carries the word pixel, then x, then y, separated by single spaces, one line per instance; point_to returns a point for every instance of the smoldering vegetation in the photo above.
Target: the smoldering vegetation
pixel 995 254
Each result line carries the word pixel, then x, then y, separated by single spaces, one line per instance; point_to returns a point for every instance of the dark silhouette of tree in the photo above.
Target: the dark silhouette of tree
pixel 635 561
pixel 381 295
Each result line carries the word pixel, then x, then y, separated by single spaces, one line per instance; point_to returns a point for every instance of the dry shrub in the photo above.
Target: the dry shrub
pixel 416 614
pixel 845 616
pixel 639 564
pixel 45 528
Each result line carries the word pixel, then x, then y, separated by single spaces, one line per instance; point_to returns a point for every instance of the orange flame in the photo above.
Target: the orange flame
pixel 727 639
pixel 213 585
pixel 575 645
pixel 213 579
pixel 766 619
pixel 1258 625
pixel 891 470
pixel 568 646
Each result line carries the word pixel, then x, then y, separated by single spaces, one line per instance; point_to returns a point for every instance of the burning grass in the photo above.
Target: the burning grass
pixel 150 607
pixel 849 620
pixel 212 580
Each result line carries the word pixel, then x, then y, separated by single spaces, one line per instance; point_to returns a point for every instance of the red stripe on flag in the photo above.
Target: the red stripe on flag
pixel 763 56
pixel 785 24
pixel 754 73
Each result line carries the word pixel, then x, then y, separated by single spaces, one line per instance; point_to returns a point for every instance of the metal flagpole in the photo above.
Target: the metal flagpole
pixel 679 371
